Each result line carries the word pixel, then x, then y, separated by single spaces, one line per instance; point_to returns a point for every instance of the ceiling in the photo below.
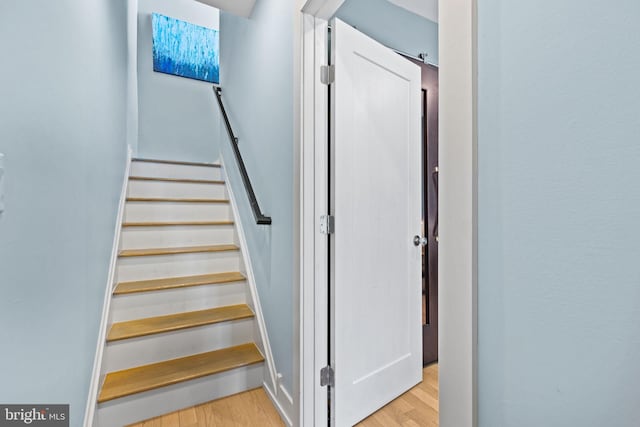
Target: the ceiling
pixel 236 7
pixel 425 8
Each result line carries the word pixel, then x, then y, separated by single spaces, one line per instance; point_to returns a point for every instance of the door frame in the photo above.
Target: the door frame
pixel 429 330
pixel 457 263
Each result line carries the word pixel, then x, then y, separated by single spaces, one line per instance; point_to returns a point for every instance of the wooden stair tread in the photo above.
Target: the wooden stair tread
pixel 180 180
pixel 175 162
pixel 174 251
pixel 174 322
pixel 176 223
pixel 149 377
pixel 177 282
pixel 175 200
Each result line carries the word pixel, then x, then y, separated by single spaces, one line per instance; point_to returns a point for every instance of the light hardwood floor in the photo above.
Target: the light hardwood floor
pixel 251 408
pixel 416 408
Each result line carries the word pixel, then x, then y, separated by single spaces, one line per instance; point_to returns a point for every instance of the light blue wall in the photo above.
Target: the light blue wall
pixel 559 205
pixel 62 128
pixel 393 26
pixel 175 114
pixel 132 74
pixel 257 81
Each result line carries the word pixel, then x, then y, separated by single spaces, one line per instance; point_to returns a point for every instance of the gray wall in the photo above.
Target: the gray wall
pixel 393 26
pixel 257 80
pixel 559 203
pixel 62 128
pixel 175 115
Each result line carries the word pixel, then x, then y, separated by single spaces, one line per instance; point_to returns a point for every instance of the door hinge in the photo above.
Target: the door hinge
pixel 327 224
pixel 327 376
pixel 327 74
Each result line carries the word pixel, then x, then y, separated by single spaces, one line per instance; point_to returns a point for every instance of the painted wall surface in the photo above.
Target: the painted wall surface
pixel 393 26
pixel 256 76
pixel 175 114
pixel 559 203
pixel 132 74
pixel 62 129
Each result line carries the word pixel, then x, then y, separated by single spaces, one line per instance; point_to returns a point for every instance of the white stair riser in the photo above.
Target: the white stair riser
pixel 158 211
pixel 131 409
pixel 162 170
pixel 139 188
pixel 170 301
pixel 149 349
pixel 179 265
pixel 171 237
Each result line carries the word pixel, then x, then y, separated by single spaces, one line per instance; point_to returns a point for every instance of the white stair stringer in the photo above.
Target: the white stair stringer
pixel 261 337
pixel 90 413
pixel 151 225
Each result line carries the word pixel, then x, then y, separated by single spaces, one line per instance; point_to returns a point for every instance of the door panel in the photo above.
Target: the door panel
pixel 376 341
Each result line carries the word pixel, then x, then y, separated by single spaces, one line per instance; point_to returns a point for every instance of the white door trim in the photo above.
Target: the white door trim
pixel 458 213
pixel 458 176
pixel 314 246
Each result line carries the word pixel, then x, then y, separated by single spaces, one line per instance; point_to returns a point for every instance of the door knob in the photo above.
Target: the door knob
pixel 420 241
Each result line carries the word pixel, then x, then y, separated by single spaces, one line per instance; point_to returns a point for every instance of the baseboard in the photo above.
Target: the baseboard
pixel 282 401
pixel 90 411
pixel 251 281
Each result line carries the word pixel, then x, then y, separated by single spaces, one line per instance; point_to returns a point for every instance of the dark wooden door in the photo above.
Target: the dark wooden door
pixel 430 213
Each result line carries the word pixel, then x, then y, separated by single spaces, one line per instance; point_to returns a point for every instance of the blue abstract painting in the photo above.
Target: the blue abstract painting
pixel 185 49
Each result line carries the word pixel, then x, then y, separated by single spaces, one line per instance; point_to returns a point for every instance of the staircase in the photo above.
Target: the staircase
pixel 182 328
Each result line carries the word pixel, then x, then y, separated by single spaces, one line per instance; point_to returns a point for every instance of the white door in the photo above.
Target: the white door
pixel 376 341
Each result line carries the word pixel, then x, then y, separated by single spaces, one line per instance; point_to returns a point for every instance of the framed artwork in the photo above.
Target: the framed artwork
pixel 184 49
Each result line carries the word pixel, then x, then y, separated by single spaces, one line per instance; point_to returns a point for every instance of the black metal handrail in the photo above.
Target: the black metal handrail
pixel 257 212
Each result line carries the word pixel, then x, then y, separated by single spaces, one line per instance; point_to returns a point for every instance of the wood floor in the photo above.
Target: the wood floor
pixel 416 408
pixel 251 408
